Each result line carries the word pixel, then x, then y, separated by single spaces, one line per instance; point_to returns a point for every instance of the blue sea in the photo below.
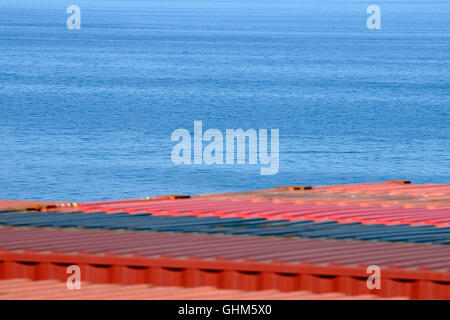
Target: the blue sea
pixel 88 114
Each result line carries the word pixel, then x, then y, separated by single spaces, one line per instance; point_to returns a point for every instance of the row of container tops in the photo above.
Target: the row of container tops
pixel 226 262
pixel 229 226
pixel 330 233
pixel 23 289
pixel 227 208
pixel 388 203
pixel 262 250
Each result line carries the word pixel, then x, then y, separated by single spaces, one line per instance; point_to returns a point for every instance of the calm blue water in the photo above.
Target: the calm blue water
pixel 87 114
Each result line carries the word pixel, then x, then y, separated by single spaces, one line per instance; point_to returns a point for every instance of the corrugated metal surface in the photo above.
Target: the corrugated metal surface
pixel 231 262
pixel 242 259
pixel 231 226
pixel 244 275
pixel 23 289
pixel 435 257
pixel 278 210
